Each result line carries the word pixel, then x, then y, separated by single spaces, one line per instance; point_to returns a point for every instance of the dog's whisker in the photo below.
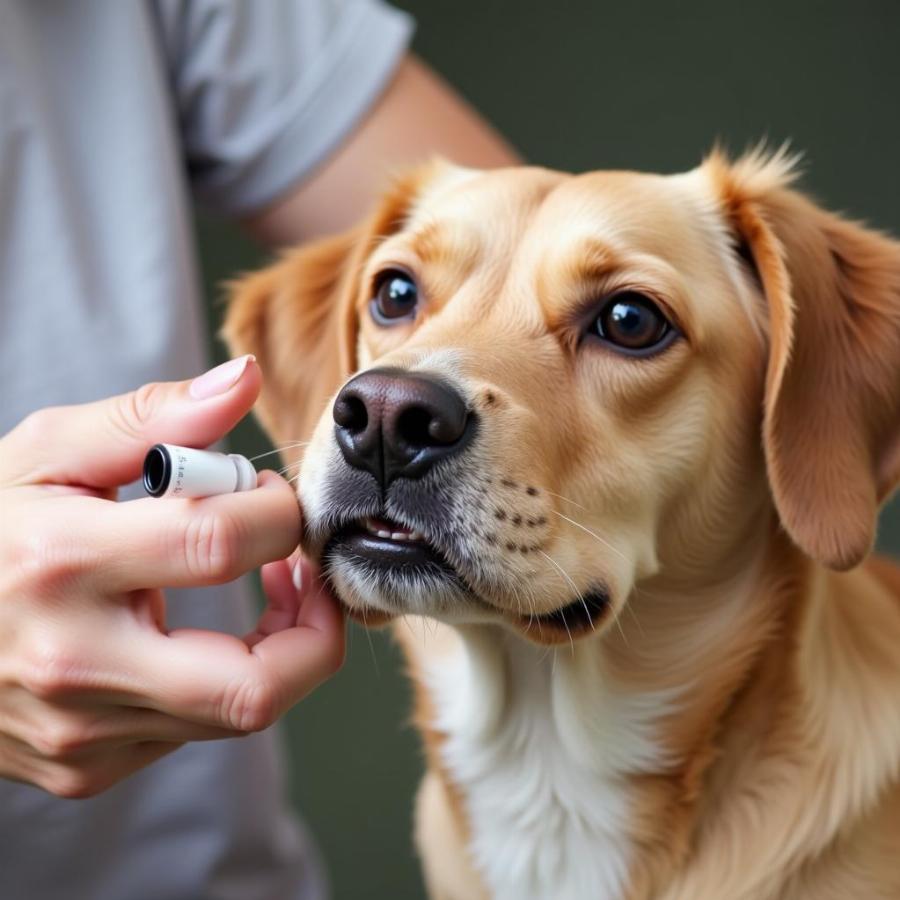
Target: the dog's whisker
pixel 592 534
pixel 289 446
pixel 532 600
pixel 569 633
pixel 562 571
pixel 519 604
pixel 534 614
pixel 566 499
pixel 532 603
pixel 409 628
pixel 562 614
pixel 371 647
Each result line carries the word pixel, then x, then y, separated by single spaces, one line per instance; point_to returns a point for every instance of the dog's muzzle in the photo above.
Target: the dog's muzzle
pixel 397 425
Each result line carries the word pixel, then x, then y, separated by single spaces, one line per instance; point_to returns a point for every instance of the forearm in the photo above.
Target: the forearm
pixel 417 117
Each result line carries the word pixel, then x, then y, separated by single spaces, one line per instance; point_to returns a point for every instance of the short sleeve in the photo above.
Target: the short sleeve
pixel 265 90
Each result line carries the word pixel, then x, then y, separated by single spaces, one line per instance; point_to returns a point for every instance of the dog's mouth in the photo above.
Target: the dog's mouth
pixel 388 544
pixel 397 563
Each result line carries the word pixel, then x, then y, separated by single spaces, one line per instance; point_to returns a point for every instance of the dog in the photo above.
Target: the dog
pixel 610 448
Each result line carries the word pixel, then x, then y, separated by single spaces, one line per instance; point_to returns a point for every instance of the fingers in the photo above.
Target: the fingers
pixel 283 600
pixel 101 772
pixel 102 444
pixel 302 655
pixel 64 732
pixel 199 677
pixel 77 779
pixel 219 680
pixel 179 543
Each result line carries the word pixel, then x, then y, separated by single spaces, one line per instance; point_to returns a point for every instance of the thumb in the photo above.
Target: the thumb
pixel 102 444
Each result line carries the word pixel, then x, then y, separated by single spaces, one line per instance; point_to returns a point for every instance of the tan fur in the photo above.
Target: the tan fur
pixel 719 488
pixel 448 874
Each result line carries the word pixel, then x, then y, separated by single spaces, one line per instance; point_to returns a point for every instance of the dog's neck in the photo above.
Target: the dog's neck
pixel 697 751
pixel 578 766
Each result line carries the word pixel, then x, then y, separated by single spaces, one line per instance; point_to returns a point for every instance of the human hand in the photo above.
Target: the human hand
pixel 92 685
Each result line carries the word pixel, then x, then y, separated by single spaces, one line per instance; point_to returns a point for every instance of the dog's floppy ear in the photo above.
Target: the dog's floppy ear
pixel 298 317
pixel 831 420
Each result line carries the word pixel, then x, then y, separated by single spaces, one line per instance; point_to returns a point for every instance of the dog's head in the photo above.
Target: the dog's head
pixel 566 385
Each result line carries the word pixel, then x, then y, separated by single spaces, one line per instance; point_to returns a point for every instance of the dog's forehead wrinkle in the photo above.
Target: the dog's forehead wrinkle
pixel 435 239
pixel 509 198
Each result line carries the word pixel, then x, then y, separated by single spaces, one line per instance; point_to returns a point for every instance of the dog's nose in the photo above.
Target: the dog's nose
pixel 394 423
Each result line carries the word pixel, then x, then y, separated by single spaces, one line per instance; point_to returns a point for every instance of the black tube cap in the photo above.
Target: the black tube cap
pixel 157 470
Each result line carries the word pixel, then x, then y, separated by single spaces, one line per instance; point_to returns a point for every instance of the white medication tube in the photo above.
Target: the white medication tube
pixel 171 471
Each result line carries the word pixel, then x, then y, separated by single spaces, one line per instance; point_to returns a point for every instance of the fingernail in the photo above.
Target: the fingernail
pixel 220 379
pixel 297 575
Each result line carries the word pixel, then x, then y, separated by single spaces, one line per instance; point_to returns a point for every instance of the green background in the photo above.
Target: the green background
pixel 576 86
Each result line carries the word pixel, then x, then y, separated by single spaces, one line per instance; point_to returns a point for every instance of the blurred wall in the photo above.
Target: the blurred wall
pixel 584 85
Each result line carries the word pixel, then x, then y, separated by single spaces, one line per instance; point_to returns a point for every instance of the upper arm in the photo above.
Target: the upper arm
pixel 264 92
pixel 416 117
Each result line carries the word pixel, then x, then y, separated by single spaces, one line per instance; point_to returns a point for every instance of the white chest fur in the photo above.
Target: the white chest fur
pixel 540 743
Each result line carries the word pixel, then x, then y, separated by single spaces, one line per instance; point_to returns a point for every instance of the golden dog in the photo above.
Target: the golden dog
pixel 622 438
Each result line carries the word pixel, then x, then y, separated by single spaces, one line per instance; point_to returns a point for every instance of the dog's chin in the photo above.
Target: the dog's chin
pixel 381 570
pixel 380 573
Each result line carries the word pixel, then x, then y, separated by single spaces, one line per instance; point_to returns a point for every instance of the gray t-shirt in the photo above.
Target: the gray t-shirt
pixel 111 114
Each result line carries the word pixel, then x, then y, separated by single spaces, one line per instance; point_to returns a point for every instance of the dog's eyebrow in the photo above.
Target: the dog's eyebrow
pixel 443 242
pixel 593 259
pixel 585 260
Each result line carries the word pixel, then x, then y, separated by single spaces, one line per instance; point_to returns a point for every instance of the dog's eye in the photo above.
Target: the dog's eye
pixel 631 322
pixel 396 296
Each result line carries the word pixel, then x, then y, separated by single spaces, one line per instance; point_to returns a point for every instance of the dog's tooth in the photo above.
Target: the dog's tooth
pixel 416 535
pixel 382 533
pixel 399 535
